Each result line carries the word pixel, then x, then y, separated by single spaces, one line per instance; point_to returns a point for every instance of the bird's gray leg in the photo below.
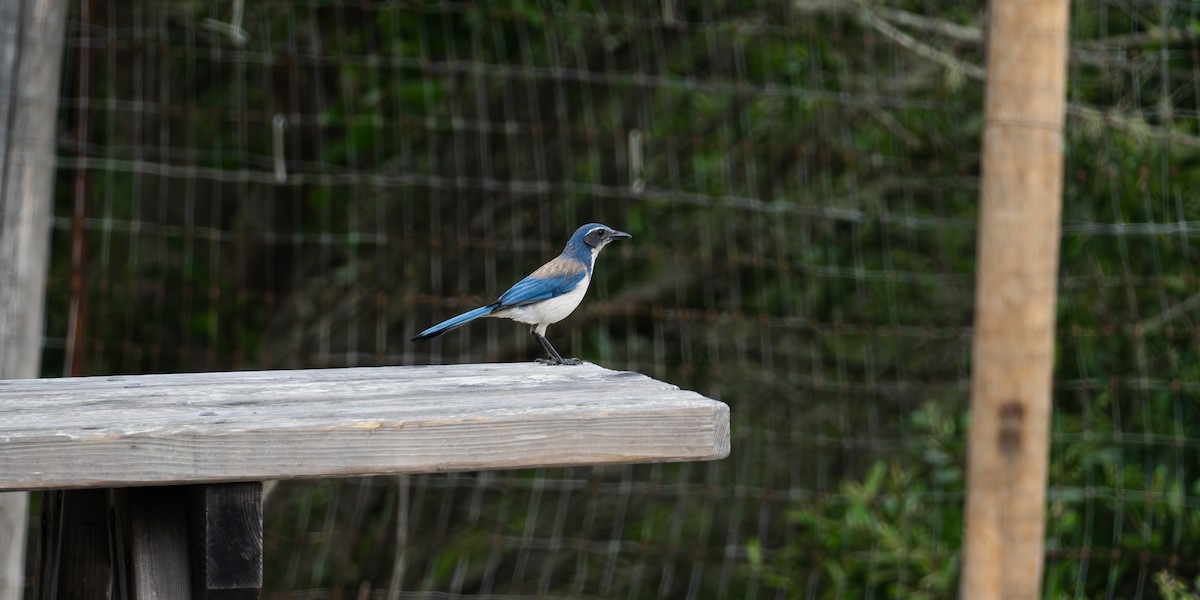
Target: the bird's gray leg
pixel 555 357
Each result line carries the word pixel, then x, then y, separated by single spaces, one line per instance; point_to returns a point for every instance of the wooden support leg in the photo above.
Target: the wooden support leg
pixel 73 549
pixel 152 545
pixel 227 541
pixel 202 542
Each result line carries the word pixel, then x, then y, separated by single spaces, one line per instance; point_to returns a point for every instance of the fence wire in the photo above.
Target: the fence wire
pixel 280 185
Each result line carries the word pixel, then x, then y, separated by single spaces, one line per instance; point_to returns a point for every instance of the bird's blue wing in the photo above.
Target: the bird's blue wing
pixel 536 289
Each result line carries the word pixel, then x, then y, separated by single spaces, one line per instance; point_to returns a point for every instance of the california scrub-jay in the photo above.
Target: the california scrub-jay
pixel 548 294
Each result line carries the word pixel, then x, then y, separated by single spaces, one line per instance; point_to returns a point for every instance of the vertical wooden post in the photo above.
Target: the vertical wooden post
pixel 31 34
pixel 226 526
pixel 200 542
pixel 152 543
pixel 1015 299
pixel 73 554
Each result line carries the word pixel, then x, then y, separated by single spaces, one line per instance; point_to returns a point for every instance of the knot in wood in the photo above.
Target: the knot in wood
pixel 1012 428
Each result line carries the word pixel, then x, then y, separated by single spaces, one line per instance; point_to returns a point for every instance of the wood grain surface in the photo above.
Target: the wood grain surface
pixel 1016 299
pixel 250 426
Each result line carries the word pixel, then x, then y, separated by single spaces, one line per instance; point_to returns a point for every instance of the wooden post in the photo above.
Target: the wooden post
pixel 202 542
pixel 1015 299
pixel 73 556
pixel 226 541
pixel 152 543
pixel 31 34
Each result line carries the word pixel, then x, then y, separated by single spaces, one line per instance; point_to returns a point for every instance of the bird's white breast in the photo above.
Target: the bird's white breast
pixel 547 312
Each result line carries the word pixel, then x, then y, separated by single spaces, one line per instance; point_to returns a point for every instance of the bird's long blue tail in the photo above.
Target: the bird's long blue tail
pixel 458 321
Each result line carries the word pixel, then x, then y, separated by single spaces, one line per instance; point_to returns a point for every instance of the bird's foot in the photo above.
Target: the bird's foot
pixel 555 361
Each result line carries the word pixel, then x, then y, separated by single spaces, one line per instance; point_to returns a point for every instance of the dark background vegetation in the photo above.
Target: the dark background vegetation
pixel 801 181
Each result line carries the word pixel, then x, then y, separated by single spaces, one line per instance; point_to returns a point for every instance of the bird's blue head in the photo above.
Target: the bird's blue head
pixel 589 239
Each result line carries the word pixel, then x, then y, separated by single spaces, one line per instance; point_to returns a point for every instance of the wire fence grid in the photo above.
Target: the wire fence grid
pixel 281 185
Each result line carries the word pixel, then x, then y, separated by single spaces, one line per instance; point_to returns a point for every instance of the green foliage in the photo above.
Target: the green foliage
pixel 897 532
pixel 1171 588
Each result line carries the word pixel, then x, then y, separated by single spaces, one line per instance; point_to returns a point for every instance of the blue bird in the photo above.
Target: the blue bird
pixel 548 294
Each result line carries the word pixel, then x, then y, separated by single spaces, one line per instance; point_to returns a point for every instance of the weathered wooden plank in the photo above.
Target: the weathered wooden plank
pixel 152 549
pixel 73 561
pixel 226 529
pixel 212 427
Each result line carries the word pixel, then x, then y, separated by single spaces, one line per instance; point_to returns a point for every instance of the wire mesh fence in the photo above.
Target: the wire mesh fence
pixel 278 185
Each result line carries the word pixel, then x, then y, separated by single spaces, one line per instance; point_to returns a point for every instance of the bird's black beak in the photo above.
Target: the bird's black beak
pixel 620 235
